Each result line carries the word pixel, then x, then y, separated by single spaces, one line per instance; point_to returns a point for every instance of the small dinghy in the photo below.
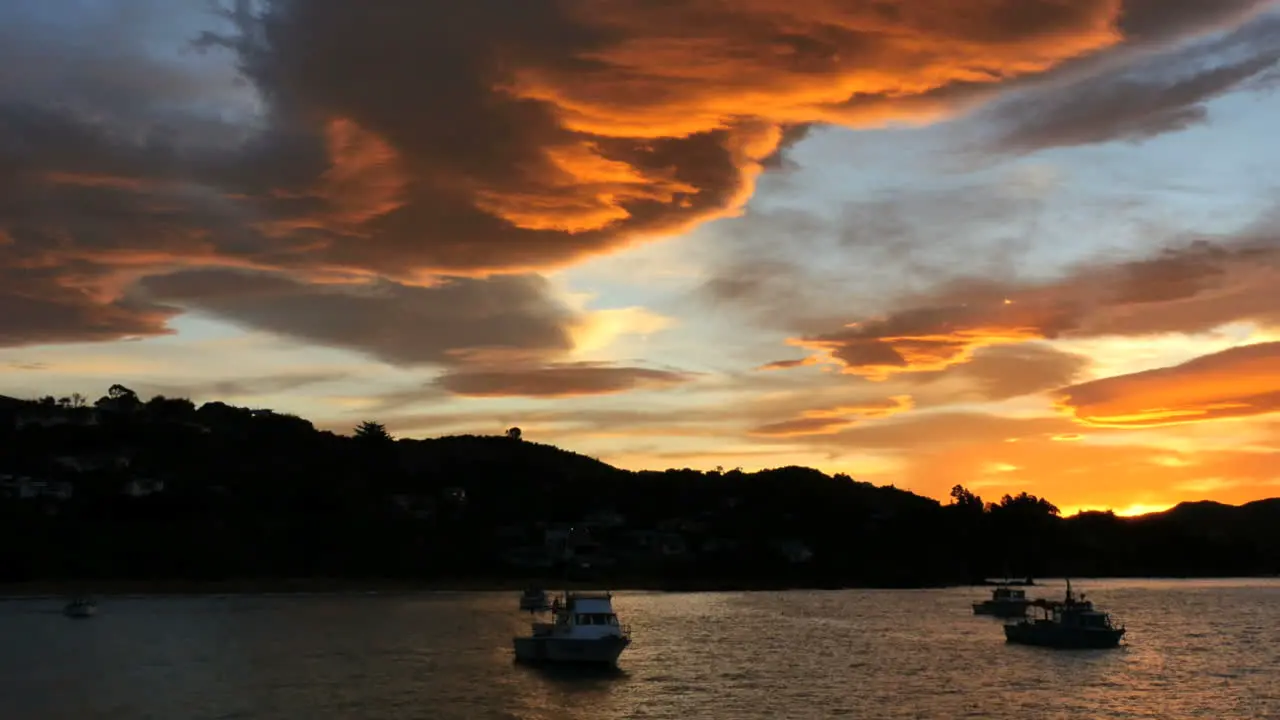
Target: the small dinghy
pixel 81 607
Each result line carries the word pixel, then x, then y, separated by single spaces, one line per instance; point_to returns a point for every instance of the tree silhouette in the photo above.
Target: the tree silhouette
pixel 514 433
pixel 170 409
pixel 372 432
pixel 963 498
pixel 1025 505
pixel 119 397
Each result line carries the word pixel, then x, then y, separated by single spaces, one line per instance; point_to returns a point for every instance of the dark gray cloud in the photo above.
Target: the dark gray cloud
pixel 1154 21
pixel 792 269
pixel 1158 94
pixel 1149 27
pixel 239 387
pixel 560 380
pixel 461 320
pixel 1003 372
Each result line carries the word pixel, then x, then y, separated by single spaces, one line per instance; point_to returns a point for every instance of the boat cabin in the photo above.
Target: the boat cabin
pixel 1008 594
pixel 1073 612
pixel 586 615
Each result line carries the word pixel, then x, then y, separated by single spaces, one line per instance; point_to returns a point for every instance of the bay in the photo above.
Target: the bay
pixel 1194 649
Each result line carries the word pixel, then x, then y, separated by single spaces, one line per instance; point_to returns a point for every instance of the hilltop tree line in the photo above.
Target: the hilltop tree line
pixel 165 489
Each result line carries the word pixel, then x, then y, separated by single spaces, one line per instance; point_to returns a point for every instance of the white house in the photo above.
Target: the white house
pixel 142 488
pixel 26 488
pixel 795 551
pixel 21 487
pixel 605 519
pixel 59 490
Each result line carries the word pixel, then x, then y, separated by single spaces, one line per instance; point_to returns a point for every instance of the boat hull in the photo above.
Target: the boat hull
pixel 1001 610
pixel 1054 636
pixel 594 651
pixel 80 612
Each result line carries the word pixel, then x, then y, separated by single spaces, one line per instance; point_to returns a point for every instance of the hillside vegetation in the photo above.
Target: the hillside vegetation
pixel 162 490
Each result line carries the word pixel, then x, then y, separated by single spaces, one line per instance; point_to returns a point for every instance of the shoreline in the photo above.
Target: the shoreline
pixel 286 586
pixel 36 589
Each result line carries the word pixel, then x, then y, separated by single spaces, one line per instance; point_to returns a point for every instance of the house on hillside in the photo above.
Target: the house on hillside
pixel 658 542
pixel 139 487
pixel 714 545
pixel 573 544
pixel 418 507
pixel 555 538
pixel 794 551
pixel 604 519
pixel 28 488
pixel 91 462
pixel 529 557
pixel 18 487
pixel 59 490
pixel 53 415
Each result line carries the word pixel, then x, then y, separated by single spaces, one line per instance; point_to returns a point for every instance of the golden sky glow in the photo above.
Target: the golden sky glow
pixel 1012 244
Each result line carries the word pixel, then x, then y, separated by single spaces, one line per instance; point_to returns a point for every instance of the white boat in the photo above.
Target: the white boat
pixel 1005 602
pixel 584 629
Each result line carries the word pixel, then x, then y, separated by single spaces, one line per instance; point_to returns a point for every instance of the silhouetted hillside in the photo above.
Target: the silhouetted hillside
pixel 161 489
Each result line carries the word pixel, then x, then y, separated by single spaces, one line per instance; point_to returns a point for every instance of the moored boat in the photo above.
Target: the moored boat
pixel 1073 623
pixel 1005 602
pixel 584 629
pixel 534 600
pixel 80 607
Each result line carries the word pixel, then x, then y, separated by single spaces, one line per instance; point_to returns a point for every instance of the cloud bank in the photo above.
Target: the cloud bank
pixel 429 142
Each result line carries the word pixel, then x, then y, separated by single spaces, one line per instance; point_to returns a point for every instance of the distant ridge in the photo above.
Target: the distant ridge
pixel 161 490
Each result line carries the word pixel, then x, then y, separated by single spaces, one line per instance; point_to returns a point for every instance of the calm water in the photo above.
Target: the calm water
pixel 1206 649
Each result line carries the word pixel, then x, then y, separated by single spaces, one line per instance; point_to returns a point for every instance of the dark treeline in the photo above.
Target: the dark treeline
pixel 123 488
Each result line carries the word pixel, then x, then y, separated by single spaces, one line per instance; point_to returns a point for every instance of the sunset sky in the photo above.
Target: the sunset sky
pixel 1012 244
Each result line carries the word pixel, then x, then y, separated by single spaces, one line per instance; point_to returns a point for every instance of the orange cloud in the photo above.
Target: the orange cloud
pixel 1194 288
pixel 365 180
pixel 1239 382
pixel 582 190
pixel 927 340
pixel 796 62
pixel 97 181
pixel 575 127
pixel 827 421
pixel 513 137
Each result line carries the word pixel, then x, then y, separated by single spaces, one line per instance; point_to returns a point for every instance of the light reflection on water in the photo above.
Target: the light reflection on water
pixel 1195 649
